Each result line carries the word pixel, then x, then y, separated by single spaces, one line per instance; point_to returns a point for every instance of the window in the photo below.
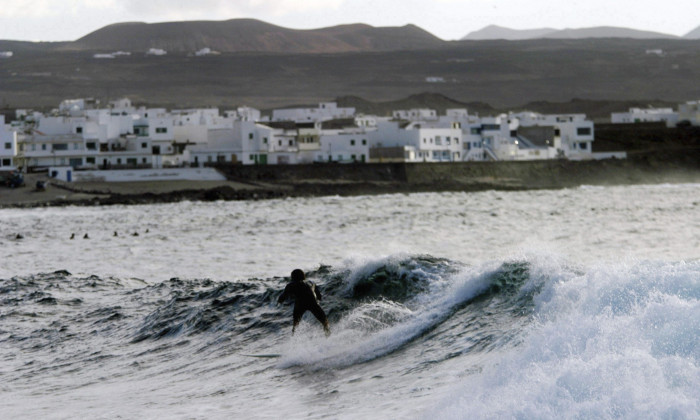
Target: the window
pixel 161 130
pixel 583 131
pixel 79 130
pixel 8 146
pixel 7 162
pixel 583 146
pixel 264 140
pixel 291 142
pixel 60 146
pixel 119 161
pixel 279 142
pixel 250 136
pixel 43 147
pixel 90 160
pixel 364 142
pixel 475 130
pixel 352 142
pixel 438 140
pixel 91 146
pixel 144 145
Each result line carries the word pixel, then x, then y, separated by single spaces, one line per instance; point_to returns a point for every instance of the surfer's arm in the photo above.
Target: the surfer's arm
pixel 284 295
pixel 317 292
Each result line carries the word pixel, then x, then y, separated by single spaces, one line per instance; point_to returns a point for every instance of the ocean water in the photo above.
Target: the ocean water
pixel 575 303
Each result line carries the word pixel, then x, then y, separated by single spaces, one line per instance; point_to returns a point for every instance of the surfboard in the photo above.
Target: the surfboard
pixel 263 356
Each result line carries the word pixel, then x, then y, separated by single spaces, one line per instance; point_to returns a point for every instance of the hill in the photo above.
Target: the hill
pixel 249 35
pixel 694 34
pixel 498 32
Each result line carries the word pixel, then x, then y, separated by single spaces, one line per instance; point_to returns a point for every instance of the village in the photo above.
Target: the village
pixel 81 138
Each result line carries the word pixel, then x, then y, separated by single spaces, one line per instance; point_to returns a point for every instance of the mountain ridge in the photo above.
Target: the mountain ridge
pixel 251 35
pixel 492 32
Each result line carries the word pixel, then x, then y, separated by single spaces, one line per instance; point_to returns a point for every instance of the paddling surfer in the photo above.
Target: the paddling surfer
pixel 306 296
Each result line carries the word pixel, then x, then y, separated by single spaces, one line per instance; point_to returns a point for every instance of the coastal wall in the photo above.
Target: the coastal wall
pixel 144 175
pixel 649 167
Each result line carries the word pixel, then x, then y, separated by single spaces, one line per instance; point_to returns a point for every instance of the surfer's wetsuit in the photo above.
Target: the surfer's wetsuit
pixel 306 297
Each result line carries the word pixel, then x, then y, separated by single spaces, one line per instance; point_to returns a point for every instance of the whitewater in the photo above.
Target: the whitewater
pixel 573 303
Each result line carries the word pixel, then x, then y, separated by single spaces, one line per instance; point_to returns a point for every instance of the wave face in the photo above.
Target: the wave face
pixel 530 339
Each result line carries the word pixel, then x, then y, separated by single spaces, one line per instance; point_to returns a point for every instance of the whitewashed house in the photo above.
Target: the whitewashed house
pixel 639 115
pixel 244 113
pixel 325 111
pixel 344 145
pixel 573 133
pixel 8 145
pixel 402 141
pixel 415 115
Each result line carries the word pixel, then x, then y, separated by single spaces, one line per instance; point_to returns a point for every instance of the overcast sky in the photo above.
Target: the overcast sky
pixel 67 20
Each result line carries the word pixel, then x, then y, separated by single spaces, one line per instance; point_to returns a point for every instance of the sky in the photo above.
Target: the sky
pixel 68 20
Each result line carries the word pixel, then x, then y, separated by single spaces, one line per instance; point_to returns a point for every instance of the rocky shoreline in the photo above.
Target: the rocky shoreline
pixel 277 182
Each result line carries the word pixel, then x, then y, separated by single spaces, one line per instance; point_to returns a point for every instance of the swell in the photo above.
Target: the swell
pixel 381 307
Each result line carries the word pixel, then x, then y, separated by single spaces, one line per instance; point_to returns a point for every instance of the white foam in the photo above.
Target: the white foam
pixel 617 341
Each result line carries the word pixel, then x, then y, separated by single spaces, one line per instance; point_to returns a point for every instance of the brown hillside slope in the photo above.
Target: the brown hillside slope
pixel 250 35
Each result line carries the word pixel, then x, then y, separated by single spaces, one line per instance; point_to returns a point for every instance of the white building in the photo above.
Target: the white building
pixel 415 115
pixel 573 134
pixel 401 141
pixel 344 145
pixel 8 145
pixel 639 115
pixel 325 111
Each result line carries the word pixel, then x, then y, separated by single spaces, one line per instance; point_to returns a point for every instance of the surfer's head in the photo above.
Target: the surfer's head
pixel 298 275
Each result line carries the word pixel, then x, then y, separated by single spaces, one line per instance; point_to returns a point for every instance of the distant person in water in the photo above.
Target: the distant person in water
pixel 306 297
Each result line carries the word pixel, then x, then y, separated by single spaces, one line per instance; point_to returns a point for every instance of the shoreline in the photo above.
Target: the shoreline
pixel 275 182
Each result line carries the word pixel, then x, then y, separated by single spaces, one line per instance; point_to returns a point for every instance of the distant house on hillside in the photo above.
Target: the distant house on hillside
pixel 156 51
pixel 206 51
pixel 6 54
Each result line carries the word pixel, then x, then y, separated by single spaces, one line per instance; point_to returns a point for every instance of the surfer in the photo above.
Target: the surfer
pixel 306 296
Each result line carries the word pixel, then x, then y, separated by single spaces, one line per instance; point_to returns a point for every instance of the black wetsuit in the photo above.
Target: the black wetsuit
pixel 306 297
